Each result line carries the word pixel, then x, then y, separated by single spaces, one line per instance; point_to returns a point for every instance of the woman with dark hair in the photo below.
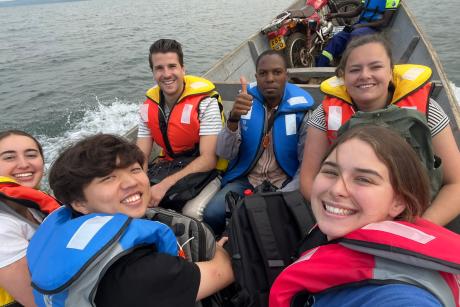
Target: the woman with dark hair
pixel 22 209
pixel 367 81
pixel 376 250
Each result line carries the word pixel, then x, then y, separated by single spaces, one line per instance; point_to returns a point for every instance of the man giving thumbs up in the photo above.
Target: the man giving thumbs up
pixel 264 135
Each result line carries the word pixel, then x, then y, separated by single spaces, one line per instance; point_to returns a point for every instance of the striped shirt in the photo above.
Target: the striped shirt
pixel 437 118
pixel 208 115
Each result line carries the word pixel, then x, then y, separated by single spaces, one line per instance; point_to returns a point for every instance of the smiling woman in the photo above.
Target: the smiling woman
pixel 21 165
pixel 368 213
pixel 21 158
pixel 368 81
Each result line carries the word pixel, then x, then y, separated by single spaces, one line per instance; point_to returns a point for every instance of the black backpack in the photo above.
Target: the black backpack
pixel 264 233
pixel 197 242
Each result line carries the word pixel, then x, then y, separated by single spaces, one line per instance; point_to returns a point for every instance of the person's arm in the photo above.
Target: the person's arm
pixel 206 161
pixel 144 137
pixel 15 279
pixel 446 205
pixel 379 24
pixel 228 143
pixel 216 274
pixel 316 147
pixel 349 14
pixel 145 144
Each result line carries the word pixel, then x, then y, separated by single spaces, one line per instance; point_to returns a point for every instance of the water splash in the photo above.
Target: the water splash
pixel 115 117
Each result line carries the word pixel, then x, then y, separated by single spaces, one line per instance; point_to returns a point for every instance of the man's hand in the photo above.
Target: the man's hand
pixel 157 193
pixel 242 105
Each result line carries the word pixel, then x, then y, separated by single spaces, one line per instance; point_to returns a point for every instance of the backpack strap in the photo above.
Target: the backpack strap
pixel 301 211
pixel 258 216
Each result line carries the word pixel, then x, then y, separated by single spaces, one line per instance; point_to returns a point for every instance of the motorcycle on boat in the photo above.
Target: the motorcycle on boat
pixel 302 34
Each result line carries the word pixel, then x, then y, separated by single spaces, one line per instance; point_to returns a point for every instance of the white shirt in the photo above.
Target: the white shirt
pixel 15 234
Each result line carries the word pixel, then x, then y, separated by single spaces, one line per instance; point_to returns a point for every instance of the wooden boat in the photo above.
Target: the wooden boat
pixel 409 43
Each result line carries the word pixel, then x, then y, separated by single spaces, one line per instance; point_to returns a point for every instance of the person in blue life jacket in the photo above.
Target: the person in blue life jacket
pixel 264 135
pixel 371 248
pixel 98 251
pixel 374 15
pixel 22 208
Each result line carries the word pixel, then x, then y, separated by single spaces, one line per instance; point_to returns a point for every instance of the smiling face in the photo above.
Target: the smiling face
pixel 124 190
pixel 349 193
pixel 367 74
pixel 271 76
pixel 169 74
pixel 21 160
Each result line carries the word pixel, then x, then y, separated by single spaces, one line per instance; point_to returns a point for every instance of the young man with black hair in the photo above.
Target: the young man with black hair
pixel 98 249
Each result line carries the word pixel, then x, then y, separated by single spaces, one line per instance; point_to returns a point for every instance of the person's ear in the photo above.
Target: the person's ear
pixel 398 206
pixel 80 206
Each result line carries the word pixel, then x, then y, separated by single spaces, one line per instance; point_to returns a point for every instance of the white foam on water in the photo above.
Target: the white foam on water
pixel 115 117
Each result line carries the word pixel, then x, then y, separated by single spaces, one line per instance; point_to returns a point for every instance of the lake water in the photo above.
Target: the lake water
pixel 69 69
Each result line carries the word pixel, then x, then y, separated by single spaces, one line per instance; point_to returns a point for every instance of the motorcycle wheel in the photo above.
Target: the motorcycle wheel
pixel 296 51
pixel 342 6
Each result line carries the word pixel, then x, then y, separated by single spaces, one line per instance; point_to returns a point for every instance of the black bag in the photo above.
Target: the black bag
pixel 186 188
pixel 264 233
pixel 195 238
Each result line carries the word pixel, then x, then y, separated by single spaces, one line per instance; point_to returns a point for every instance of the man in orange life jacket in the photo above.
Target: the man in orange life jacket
pixel 186 106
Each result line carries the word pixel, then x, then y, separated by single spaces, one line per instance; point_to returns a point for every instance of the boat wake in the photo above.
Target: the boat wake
pixel 115 117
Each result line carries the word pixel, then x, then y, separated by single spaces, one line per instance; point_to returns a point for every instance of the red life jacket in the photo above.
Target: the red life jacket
pixel 422 254
pixel 26 196
pixel 412 90
pixel 183 126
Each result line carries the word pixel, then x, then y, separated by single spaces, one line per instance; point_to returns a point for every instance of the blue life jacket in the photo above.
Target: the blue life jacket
pixel 288 118
pixel 374 9
pixel 68 256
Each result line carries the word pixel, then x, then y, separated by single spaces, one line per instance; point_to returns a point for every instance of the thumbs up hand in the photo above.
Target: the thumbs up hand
pixel 243 102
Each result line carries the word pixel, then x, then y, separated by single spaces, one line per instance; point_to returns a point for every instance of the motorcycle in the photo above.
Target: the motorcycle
pixel 302 34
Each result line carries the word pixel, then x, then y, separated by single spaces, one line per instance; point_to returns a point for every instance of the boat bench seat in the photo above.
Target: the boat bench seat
pixel 311 72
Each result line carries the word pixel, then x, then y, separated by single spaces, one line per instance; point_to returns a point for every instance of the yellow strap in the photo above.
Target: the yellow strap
pixel 7 179
pixel 5 298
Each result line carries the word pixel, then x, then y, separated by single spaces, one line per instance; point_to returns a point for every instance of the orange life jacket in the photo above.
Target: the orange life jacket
pixel 412 90
pixel 183 126
pixel 31 198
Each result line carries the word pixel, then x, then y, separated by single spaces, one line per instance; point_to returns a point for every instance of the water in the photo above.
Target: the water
pixel 74 68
